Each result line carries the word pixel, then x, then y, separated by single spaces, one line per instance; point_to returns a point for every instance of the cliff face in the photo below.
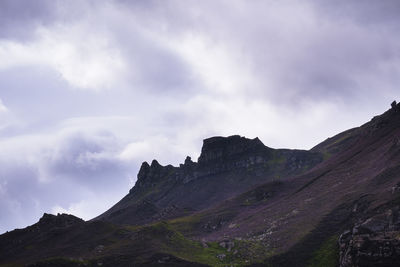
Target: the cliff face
pixel 226 166
pixel 227 154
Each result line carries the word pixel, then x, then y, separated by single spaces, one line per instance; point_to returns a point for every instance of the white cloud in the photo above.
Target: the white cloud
pixel 221 69
pixel 86 60
pixel 88 208
pixel 3 108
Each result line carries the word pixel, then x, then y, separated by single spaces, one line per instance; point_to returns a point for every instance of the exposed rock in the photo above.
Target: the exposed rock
pixel 164 259
pixel 187 171
pixel 221 256
pixel 204 243
pixel 99 249
pixel 396 188
pixel 224 154
pixel 220 148
pixel 144 171
pixel 60 221
pixel 394 104
pixel 188 161
pixel 374 242
pixel 149 175
pixel 227 244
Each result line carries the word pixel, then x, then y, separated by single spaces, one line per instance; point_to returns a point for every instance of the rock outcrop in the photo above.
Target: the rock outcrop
pixel 225 167
pixel 374 242
pixel 226 154
pixel 63 220
pixel 149 175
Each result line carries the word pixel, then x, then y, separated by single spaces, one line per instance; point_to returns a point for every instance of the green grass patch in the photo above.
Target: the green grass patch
pixel 327 255
pixel 253 251
pixel 277 159
pixel 186 224
pixel 326 155
pixel 170 241
pixel 62 262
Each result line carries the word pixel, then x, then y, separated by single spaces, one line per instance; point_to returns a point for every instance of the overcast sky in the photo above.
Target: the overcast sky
pixel 91 89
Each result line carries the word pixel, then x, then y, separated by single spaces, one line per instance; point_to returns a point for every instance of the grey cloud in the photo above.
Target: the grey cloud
pixel 151 66
pixel 324 53
pixel 90 160
pixel 368 12
pixel 19 18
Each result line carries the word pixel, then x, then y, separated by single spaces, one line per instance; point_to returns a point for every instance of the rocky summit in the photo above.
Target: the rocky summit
pixel 242 204
pixel 227 166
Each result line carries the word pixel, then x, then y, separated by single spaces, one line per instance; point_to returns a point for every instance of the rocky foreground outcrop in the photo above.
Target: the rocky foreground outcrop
pixel 374 242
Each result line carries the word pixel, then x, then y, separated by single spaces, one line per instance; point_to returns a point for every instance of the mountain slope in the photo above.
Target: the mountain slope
pixel 230 208
pixel 294 218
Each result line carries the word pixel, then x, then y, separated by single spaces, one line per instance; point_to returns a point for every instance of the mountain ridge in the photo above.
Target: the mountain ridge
pixel 223 162
pixel 343 210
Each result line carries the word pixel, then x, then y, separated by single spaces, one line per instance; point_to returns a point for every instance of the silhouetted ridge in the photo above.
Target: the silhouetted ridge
pixel 222 148
pixel 387 121
pixel 226 166
pixel 148 174
pixel 59 221
pixel 218 154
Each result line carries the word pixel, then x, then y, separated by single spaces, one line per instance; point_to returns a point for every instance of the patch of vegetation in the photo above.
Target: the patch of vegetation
pixel 340 140
pixel 253 251
pixel 277 159
pixel 327 255
pixel 173 242
pixel 186 224
pixel 326 155
pixel 29 247
pixel 62 262
pixel 259 195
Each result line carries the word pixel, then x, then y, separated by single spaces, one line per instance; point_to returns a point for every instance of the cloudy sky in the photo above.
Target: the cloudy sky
pixel 90 89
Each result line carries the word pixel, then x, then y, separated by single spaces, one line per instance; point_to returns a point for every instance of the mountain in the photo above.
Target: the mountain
pixel 226 167
pixel 242 204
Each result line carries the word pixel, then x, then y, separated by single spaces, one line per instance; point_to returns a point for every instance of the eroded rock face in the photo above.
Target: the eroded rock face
pixel 226 166
pixel 374 242
pixel 224 154
pixel 149 174
pixel 221 148
pixel 59 220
